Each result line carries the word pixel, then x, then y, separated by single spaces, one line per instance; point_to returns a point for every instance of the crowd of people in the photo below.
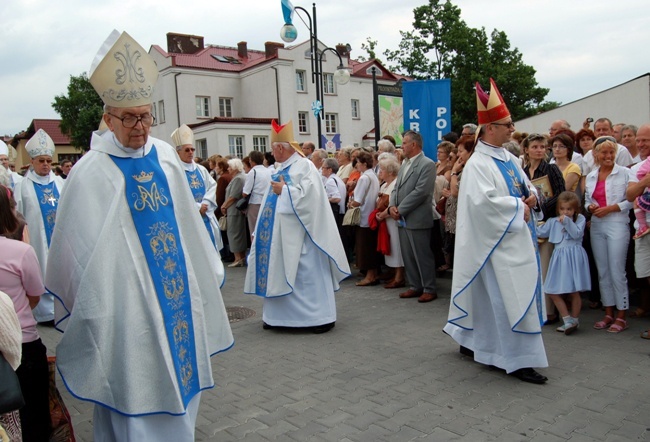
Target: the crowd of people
pixel 526 224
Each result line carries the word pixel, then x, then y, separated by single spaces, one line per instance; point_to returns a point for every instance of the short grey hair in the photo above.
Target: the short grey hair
pixel 389 165
pixel 322 153
pixel 331 163
pixel 471 126
pixel 236 164
pixel 631 127
pixel 512 147
pixel 385 146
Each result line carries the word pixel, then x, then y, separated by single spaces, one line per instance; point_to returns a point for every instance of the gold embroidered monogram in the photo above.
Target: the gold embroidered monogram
pixel 151 198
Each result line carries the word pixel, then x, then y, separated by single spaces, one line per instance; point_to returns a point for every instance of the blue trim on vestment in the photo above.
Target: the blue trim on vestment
pixel 150 202
pixel 47 196
pixel 197 187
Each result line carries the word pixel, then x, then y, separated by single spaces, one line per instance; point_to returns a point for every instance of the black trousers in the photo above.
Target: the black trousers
pixel 34 380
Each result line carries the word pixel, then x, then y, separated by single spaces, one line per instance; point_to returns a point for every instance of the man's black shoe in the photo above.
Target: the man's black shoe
pixel 323 328
pixel 529 375
pixel 266 326
pixel 466 351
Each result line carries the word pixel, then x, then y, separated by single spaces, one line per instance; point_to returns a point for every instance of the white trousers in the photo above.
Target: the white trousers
pixel 109 426
pixel 609 241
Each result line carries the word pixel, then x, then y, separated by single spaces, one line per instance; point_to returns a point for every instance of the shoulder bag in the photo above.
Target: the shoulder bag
pixel 11 396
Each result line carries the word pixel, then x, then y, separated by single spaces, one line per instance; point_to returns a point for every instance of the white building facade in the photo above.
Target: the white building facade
pixel 627 103
pixel 229 96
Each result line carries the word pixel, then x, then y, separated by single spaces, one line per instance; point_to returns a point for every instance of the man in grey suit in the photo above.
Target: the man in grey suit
pixel 410 206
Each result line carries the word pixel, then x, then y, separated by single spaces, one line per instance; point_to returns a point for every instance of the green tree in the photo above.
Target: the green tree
pixel 442 45
pixel 370 46
pixel 81 111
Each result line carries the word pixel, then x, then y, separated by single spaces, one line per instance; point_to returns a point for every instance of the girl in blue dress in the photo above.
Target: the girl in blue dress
pixel 568 270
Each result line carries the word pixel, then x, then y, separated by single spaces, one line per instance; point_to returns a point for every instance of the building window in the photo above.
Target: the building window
pixel 202 148
pixel 328 84
pixel 303 126
pixel 236 146
pixel 355 109
pixel 153 112
pixel 330 124
pixel 260 143
pixel 203 107
pixel 161 111
pixel 225 107
pixel 300 81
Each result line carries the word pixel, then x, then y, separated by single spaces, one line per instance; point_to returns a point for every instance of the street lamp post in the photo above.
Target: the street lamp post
pixel 288 33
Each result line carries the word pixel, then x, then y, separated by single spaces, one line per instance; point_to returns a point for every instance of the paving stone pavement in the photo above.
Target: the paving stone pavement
pixel 386 372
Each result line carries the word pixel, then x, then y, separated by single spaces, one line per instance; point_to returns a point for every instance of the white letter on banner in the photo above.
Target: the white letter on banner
pixel 441 111
pixel 415 127
pixel 413 114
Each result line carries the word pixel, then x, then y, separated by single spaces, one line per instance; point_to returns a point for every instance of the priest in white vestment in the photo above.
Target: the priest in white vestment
pixel 133 269
pixel 296 261
pixel 37 198
pixel 14 178
pixel 202 186
pixel 495 311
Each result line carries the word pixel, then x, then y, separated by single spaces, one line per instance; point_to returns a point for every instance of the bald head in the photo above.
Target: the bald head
pixel 643 141
pixel 557 126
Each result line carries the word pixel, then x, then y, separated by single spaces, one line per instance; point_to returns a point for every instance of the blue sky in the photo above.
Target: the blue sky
pixel 578 48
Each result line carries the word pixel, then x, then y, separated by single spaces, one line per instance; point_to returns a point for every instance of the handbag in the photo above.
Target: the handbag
pixel 352 217
pixel 11 396
pixel 440 205
pixel 223 224
pixel 62 430
pixel 242 204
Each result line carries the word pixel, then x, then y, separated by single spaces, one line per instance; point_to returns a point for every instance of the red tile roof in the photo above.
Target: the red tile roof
pixel 359 70
pixel 204 59
pixel 52 128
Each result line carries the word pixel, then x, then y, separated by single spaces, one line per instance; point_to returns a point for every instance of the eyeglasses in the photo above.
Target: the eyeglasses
pixel 189 149
pixel 508 125
pixel 559 146
pixel 129 121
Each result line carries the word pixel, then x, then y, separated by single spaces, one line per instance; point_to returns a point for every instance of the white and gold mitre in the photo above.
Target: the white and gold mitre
pixel 40 144
pixel 4 150
pixel 123 73
pixel 182 136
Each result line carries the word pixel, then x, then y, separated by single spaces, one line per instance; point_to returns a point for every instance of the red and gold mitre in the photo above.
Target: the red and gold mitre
pixel 284 133
pixel 491 108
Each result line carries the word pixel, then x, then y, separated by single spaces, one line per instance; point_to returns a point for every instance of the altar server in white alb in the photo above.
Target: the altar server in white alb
pixel 132 268
pixel 37 197
pixel 14 178
pixel 496 297
pixel 202 185
pixel 296 259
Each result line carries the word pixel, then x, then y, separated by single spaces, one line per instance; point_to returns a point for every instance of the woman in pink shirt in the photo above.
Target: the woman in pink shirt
pixel 21 279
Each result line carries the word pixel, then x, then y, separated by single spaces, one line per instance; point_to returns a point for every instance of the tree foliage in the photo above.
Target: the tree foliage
pixel 370 46
pixel 81 111
pixel 442 45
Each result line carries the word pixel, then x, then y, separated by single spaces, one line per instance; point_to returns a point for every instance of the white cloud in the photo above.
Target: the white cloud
pixel 577 48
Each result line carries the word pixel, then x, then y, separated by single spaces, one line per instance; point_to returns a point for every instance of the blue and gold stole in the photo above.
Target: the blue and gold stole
pixel 48 200
pixel 517 187
pixel 152 209
pixel 264 234
pixel 197 186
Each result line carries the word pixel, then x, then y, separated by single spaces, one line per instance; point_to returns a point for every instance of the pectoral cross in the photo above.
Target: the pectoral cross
pixel 52 200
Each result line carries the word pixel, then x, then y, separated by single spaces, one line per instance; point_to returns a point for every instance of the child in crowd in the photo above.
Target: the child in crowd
pixel 568 270
pixel 642 203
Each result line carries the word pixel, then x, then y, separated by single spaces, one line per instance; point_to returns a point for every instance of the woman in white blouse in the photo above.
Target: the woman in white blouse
pixel 605 199
pixel 364 197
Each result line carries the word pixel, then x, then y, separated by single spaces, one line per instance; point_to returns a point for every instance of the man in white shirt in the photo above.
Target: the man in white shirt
pixel 257 181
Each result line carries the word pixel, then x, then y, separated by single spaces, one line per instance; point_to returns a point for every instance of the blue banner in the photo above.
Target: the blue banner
pixel 427 110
